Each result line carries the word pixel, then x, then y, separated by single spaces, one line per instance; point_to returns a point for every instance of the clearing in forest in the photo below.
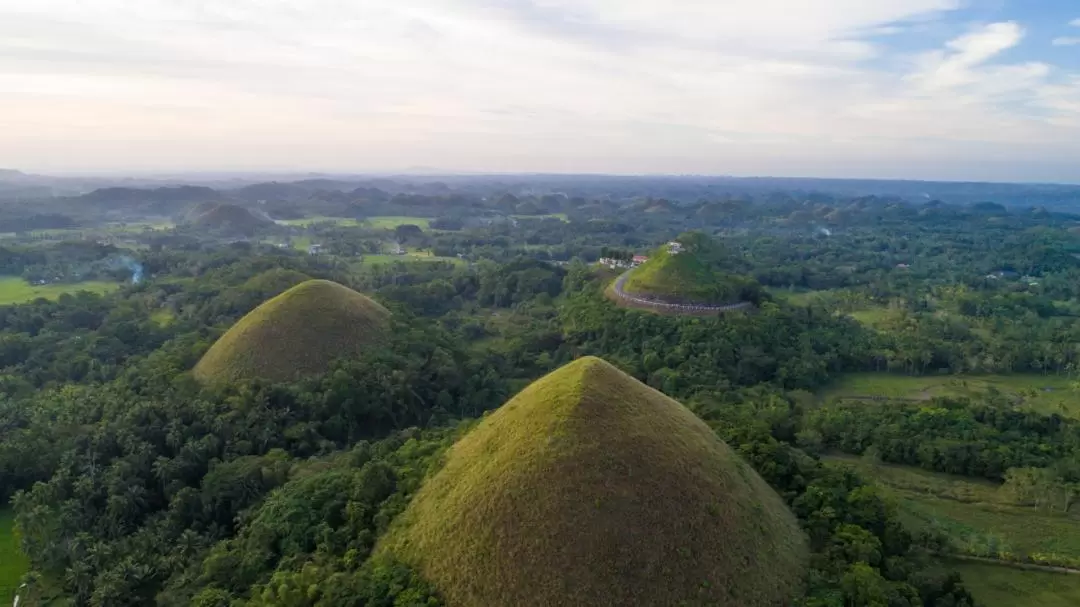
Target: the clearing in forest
pixel 590 488
pixel 15 290
pixel 1004 586
pixel 1044 394
pixel 13 563
pixel 980 518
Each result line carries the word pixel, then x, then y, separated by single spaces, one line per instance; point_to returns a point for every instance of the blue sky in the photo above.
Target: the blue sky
pixel 933 89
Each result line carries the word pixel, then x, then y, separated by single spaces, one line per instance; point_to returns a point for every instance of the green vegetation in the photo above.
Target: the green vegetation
pixel 1003 586
pixel 228 219
pixel 410 255
pixel 392 221
pixel 690 275
pixel 591 488
pixel 15 290
pixel 13 564
pixel 1045 394
pixel 295 334
pixel 976 518
pixel 308 221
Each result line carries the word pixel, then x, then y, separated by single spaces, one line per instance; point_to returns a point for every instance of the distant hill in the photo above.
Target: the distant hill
pixel 689 273
pixel 296 334
pixel 156 201
pixel 228 218
pixel 590 488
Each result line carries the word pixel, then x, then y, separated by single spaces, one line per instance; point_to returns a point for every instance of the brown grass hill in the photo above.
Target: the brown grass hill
pixel 296 334
pixel 228 219
pixel 590 488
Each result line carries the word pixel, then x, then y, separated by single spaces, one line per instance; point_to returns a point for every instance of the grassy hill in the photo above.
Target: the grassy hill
pixel 295 334
pixel 690 276
pixel 590 488
pixel 228 218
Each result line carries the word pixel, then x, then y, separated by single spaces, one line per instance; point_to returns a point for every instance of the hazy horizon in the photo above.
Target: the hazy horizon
pixel 954 90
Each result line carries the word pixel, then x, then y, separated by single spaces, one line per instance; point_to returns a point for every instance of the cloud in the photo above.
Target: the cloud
pixel 1075 23
pixel 1066 41
pixel 754 86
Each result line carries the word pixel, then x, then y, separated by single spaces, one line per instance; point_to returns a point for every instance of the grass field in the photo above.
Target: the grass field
pixel 1000 586
pixel 141 226
pixel 796 298
pixel 1042 393
pixel 976 515
pixel 390 222
pixel 163 317
pixel 410 256
pixel 871 317
pixel 12 562
pixel 15 290
pixel 307 221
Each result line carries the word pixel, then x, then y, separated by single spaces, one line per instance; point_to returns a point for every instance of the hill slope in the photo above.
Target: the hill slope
pixel 228 218
pixel 590 488
pixel 690 276
pixel 295 334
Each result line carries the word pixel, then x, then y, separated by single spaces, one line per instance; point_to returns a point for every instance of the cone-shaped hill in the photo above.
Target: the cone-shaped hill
pixel 685 272
pixel 590 488
pixel 227 218
pixel 296 334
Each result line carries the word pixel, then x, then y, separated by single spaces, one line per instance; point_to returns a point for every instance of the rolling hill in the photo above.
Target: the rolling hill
pixel 590 488
pixel 228 219
pixel 296 334
pixel 689 275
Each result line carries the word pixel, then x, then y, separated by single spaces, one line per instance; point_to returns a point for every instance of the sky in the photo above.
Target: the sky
pixel 920 89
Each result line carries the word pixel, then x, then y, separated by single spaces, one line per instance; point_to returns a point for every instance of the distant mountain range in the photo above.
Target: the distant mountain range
pixel 16 185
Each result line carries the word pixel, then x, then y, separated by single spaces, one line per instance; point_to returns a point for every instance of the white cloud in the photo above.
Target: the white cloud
pixel 1066 41
pixel 1075 23
pixel 765 86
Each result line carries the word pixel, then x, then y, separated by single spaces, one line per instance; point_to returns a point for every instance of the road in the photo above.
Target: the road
pixel 620 283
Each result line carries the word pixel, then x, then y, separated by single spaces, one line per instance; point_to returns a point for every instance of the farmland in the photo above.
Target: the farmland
pixel 1042 393
pixel 15 290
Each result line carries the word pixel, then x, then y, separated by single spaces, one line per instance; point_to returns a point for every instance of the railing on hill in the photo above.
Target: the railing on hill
pixel 621 293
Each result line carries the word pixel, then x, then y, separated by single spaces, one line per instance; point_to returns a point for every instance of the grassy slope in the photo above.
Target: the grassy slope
pixel 590 488
pixel 1043 393
pixel 682 277
pixel 296 333
pixel 978 517
pixel 999 586
pixel 13 563
pixel 15 290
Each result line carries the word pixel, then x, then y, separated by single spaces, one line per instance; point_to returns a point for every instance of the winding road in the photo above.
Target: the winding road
pixel 621 293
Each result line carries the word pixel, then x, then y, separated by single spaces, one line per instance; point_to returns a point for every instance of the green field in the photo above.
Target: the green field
pixel 796 297
pixel 1000 586
pixel 15 290
pixel 1042 393
pixel 320 219
pixel 141 226
pixel 13 563
pixel 977 517
pixel 390 222
pixel 871 317
pixel 409 256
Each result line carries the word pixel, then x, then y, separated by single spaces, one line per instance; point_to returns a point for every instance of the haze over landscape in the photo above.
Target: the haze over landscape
pixel 540 303
pixel 928 89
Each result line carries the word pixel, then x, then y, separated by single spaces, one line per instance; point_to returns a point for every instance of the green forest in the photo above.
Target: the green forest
pixel 241 412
